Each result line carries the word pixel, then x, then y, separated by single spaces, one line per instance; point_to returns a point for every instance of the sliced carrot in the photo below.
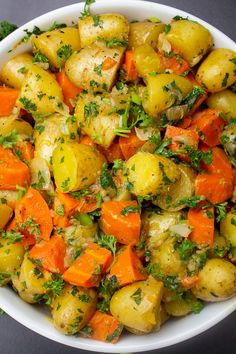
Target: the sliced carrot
pixel 215 187
pixel 69 203
pixel 51 254
pixel 8 97
pixel 108 63
pixel 203 226
pixel 185 122
pixel 28 240
pixel 113 152
pixel 129 66
pixel 26 150
pixel 128 268
pixel 88 268
pixel 70 91
pixel 201 99
pixel 209 126
pixel 87 141
pixel 130 145
pixel 220 163
pixel 105 327
pixel 126 228
pixel 33 207
pixel 87 204
pixel 13 172
pixel 174 62
pixel 189 282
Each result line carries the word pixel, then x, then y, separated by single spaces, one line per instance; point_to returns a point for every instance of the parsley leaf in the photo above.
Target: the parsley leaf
pixel 6 28
pixel 91 109
pixel 114 42
pixel 28 105
pixel 106 178
pixel 12 236
pixel 137 296
pixel 97 22
pixel 87 11
pixel 185 249
pixel 198 156
pixel 130 209
pixel 63 54
pixel 39 58
pixel 107 287
pixel 8 141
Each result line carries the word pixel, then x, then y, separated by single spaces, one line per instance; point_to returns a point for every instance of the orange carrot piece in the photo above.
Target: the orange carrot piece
pixel 181 136
pixel 209 126
pixel 108 63
pixel 220 163
pixel 126 228
pixel 130 145
pixel 13 172
pixel 87 204
pixel 26 151
pixel 105 327
pixel 33 206
pixel 175 63
pixel 8 97
pixel 189 281
pixel 88 268
pixel 215 187
pixel 51 254
pixel 87 141
pixel 70 91
pixel 69 203
pixel 129 66
pixel 114 152
pixel 128 268
pixel 202 98
pixel 185 122
pixel 28 240
pixel 203 226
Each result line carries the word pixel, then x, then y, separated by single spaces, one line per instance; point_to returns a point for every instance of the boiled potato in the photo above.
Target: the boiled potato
pixel 11 257
pixel 192 39
pixel 137 306
pixel 89 68
pixel 14 71
pixel 163 91
pixel 184 188
pixel 228 228
pixel 29 281
pixel 168 258
pixel 50 132
pixel 217 281
pixel 40 173
pixel 8 124
pixel 5 213
pixel 40 93
pixel 217 71
pixel 144 32
pixel 181 306
pixel 220 246
pixel 98 117
pixel 224 101
pixel 151 174
pixel 9 197
pixel 107 26
pixel 75 166
pixel 228 138
pixel 156 226
pixel 51 43
pixel 73 308
pixel 147 61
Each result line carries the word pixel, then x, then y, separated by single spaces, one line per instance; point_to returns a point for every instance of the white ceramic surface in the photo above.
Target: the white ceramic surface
pixel 36 317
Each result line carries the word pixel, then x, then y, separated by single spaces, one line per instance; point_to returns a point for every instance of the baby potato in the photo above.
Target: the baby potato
pixel 168 258
pixel 8 124
pixel 75 166
pixel 14 71
pixel 192 39
pixel 156 227
pixel 52 42
pixel 6 214
pixel 151 174
pixel 147 61
pixel 217 281
pixel 94 66
pixel 217 71
pixel 181 306
pixel 144 32
pixel 29 282
pixel 98 117
pixel 49 132
pixel 9 197
pixel 11 257
pixel 40 93
pixel 163 91
pixel 73 308
pixel 107 26
pixel 184 188
pixel 137 306
pixel 228 228
pixel 224 101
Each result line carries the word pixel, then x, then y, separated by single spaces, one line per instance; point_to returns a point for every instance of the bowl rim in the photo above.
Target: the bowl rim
pixel 228 306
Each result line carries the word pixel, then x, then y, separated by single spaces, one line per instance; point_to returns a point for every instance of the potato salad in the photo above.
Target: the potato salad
pixel 118 172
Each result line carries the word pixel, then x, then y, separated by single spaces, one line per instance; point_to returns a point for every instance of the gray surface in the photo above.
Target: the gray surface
pixel 16 339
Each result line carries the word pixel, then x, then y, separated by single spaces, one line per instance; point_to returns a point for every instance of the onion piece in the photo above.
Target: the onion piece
pixel 186 140
pixel 163 44
pixel 40 174
pixel 176 112
pixel 182 230
pixel 144 133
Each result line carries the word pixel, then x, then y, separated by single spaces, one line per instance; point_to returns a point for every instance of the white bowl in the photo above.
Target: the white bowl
pixel 36 317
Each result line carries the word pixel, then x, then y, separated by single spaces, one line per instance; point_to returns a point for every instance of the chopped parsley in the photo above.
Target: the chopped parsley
pixel 107 287
pixel 55 285
pixel 193 96
pixel 56 25
pixel 98 70
pixel 12 236
pixel 137 296
pixel 87 11
pixel 198 156
pixel 28 105
pixel 65 184
pixel 39 58
pixel 225 80
pixel 130 209
pixel 63 54
pixel 40 183
pixel 6 28
pixel 106 178
pixel 31 226
pixel 115 334
pixel 60 210
pixel 91 109
pixel 167 28
pixel 9 141
pixel 97 22
pixel 185 249
pixel 36 31
pixel 114 42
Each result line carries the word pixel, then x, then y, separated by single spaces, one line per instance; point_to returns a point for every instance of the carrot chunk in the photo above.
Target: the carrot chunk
pixel 129 66
pixel 105 327
pixel 8 97
pixel 70 91
pixel 203 226
pixel 130 145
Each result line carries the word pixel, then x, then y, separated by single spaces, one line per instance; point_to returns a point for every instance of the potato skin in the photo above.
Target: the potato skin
pixel 225 101
pixel 109 26
pixel 42 91
pixel 144 32
pixel 228 229
pixel 11 256
pixel 151 174
pixel 143 315
pixel 73 308
pixel 217 281
pixel 216 72
pixel 14 71
pixel 147 61
pixel 177 308
pixel 6 214
pixel 10 123
pixel 191 38
pixel 50 42
pixel 86 66
pixel 156 98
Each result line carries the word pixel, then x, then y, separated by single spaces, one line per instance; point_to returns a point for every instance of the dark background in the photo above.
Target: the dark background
pixel 221 339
